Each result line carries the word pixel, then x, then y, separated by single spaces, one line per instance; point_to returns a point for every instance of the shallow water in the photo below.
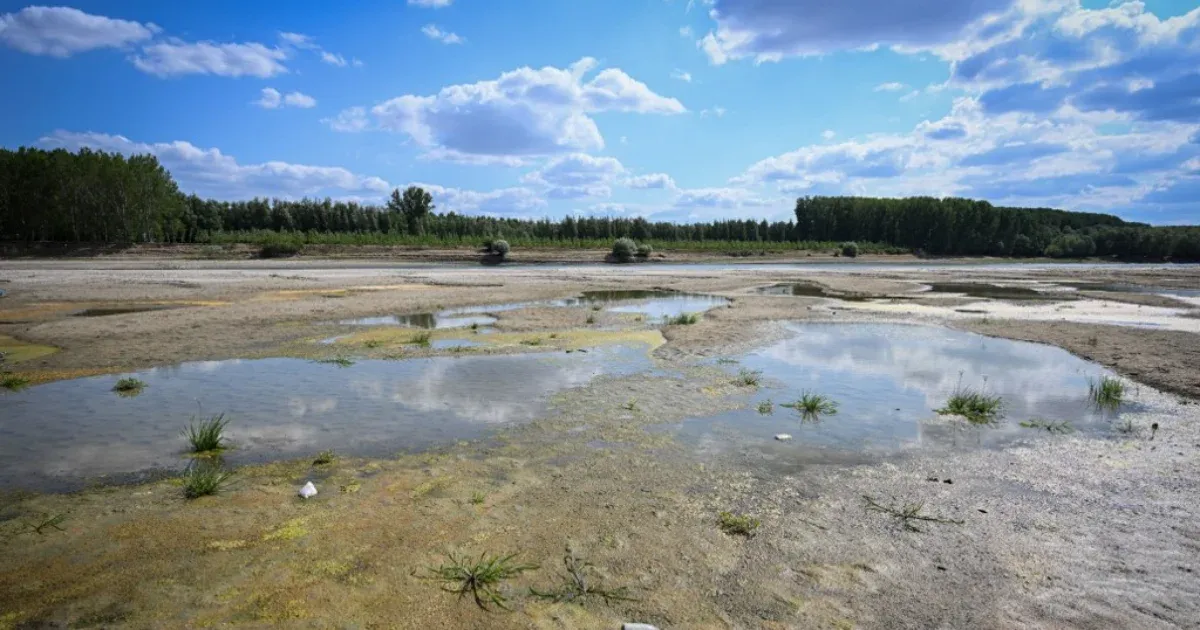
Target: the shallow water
pixel 888 379
pixel 994 292
pixel 58 435
pixel 1137 288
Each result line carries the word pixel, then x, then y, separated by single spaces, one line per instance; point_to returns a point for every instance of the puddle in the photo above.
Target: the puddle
pixel 654 304
pixel 118 310
pixel 994 292
pixel 803 289
pixel 59 435
pixel 444 319
pixel 887 379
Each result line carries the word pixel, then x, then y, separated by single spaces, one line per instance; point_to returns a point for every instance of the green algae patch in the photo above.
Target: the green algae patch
pixel 291 530
pixel 16 351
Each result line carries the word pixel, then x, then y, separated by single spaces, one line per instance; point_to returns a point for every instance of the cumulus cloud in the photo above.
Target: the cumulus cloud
pixel 765 30
pixel 63 31
pixel 210 173
pixel 653 180
pixel 523 114
pixel 272 99
pixel 433 32
pixel 176 57
pixel 349 120
pixel 577 176
pixel 512 202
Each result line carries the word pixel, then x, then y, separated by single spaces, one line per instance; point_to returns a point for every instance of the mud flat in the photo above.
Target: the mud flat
pixel 622 416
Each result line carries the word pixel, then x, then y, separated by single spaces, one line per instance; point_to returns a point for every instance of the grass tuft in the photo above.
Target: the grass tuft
pixel 341 362
pixel 974 405
pixel 1107 392
pixel 371 344
pixel 479 578
pixel 207 436
pixel 1061 428
pixel 325 457
pixel 591 319
pixel 422 340
pixel 748 378
pixel 908 514
pixel 129 386
pixel 578 586
pixel 204 479
pixel 683 319
pixel 49 521
pixel 765 408
pixel 737 524
pixel 812 406
pixel 13 382
pixel 477 498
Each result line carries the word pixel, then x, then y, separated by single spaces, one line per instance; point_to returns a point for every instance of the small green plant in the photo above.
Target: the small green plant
pixel 373 343
pixel 129 386
pixel 631 405
pixel 812 406
pixel 422 340
pixel 531 342
pixel 477 498
pixel 748 378
pixel 49 521
pixel 683 319
pixel 577 585
pixel 765 408
pixel 596 307
pixel 205 478
pixel 1062 427
pixel 13 382
pixel 726 361
pixel 591 319
pixel 474 325
pixel 975 405
pixel 737 524
pixel 341 362
pixel 1107 392
pixel 908 514
pixel 479 578
pixel 324 458
pixel 207 436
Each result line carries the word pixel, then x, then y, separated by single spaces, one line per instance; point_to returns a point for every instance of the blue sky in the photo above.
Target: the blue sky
pixel 669 109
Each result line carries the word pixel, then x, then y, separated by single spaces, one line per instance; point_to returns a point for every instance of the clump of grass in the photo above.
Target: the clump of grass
pixel 748 378
pixel 1062 427
pixel 207 436
pixel 591 319
pixel 765 408
pixel 1107 392
pixel 373 343
pixel 341 362
pixel 577 585
pixel 205 479
pixel 631 405
pixel 907 514
pixel 13 382
pixel 474 326
pixel 975 405
pixel 129 386
pixel 725 361
pixel 531 342
pixel 325 457
pixel 422 340
pixel 812 406
pixel 477 498
pixel 596 307
pixel 737 524
pixel 683 319
pixel 479 578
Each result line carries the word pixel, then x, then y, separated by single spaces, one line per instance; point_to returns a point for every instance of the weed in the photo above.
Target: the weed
pixel 726 361
pixel 578 587
pixel 204 479
pixel 748 378
pixel 974 405
pixel 421 339
pixel 766 408
pixel 1107 392
pixel 631 405
pixel 477 498
pixel 1053 427
pixel 49 521
pixel 812 406
pixel 373 343
pixel 341 362
pixel 13 382
pixel 907 514
pixel 207 436
pixel 591 319
pixel 683 319
pixel 737 524
pixel 474 325
pixel 480 578
pixel 324 458
pixel 554 335
pixel 531 342
pixel 596 307
pixel 129 386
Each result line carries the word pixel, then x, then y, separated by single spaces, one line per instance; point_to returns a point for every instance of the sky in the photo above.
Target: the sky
pixel 682 110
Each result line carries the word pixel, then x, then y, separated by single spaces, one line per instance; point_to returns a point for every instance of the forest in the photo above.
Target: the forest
pixel 93 196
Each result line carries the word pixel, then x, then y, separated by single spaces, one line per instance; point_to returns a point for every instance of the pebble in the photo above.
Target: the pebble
pixel 308 491
pixel 783 437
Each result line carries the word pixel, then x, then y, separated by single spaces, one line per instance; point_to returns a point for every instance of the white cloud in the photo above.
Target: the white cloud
pixel 430 4
pixel 828 134
pixel 349 120
pixel 716 111
pixel 650 181
pixel 890 87
pixel 433 32
pixel 513 202
pixel 210 173
pixel 686 77
pixel 299 40
pixel 685 31
pixel 576 176
pixel 270 99
pixel 523 114
pixel 63 31
pixel 333 59
pixel 175 57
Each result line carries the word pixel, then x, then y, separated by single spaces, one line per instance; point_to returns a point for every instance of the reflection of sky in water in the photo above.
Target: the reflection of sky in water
pixel 283 408
pixel 888 378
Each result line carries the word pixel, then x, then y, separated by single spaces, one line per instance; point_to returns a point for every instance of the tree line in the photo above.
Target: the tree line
pixel 90 196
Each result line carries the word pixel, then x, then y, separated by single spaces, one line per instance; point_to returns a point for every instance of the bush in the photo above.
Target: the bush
pixel 644 250
pixel 500 248
pixel 279 250
pixel 850 250
pixel 624 249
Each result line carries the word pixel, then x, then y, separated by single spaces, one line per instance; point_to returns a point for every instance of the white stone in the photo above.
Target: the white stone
pixel 308 491
pixel 783 437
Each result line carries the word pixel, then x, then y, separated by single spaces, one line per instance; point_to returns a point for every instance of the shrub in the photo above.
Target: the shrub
pixel 644 250
pixel 500 248
pixel 129 385
pixel 850 249
pixel 279 250
pixel 624 249
pixel 737 524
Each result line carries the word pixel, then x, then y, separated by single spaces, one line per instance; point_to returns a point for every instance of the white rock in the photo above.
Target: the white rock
pixel 637 626
pixel 308 491
pixel 783 437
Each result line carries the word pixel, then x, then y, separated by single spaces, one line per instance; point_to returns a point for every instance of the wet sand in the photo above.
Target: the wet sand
pixel 1069 531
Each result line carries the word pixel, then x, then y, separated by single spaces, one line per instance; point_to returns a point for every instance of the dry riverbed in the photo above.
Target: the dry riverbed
pixel 1092 529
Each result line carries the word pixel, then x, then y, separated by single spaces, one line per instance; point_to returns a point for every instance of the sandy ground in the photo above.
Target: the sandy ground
pixel 1068 531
